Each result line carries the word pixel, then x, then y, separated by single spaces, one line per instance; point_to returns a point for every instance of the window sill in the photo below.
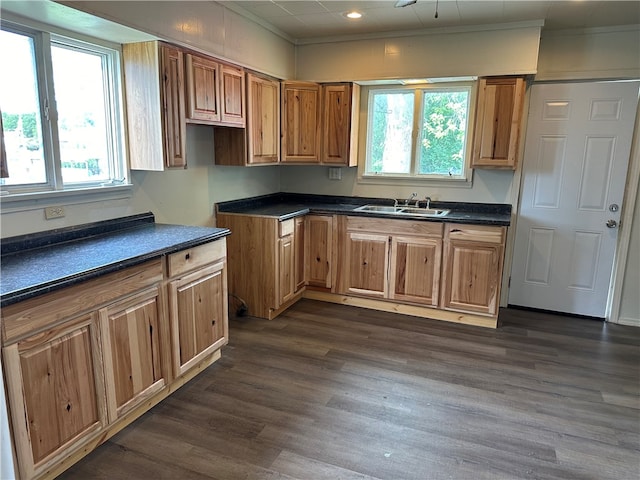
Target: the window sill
pixel 414 181
pixel 16 202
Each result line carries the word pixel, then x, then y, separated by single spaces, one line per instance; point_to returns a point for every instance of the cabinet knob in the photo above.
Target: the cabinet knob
pixel 187 256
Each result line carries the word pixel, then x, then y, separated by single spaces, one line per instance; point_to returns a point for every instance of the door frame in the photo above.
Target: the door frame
pixel 614 297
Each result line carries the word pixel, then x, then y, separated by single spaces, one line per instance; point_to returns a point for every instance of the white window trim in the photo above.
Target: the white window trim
pixel 414 179
pixel 21 197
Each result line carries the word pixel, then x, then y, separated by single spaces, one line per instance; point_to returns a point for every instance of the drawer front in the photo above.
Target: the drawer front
pixel 476 233
pixel 196 257
pixel 286 227
pixel 395 227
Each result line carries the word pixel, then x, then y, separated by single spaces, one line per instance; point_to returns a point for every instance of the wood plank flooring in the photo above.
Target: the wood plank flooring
pixel 334 392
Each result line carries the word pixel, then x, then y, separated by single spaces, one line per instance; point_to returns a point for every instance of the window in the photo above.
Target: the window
pixel 61 113
pixel 419 133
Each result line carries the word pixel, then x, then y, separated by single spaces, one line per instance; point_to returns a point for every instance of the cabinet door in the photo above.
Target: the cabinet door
pixel 55 392
pixel 471 276
pixel 319 236
pixel 131 346
pixel 498 119
pixel 415 269
pixel 286 264
pixel 300 122
pixel 263 120
pixel 232 108
pixel 339 136
pixel 300 234
pixel 198 315
pixel 366 264
pixel 203 87
pixel 173 104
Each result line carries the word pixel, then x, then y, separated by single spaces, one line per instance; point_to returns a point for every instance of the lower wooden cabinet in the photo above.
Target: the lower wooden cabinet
pixel 415 269
pixel 319 247
pixel 299 267
pixel 472 270
pixel 55 391
pixel 82 362
pixel 198 305
pixel 131 333
pixel 393 259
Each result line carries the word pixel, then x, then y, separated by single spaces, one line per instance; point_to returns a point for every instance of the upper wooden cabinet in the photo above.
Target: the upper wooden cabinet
pixel 319 123
pixel 203 89
pixel 259 143
pixel 232 94
pixel 300 122
pixel 340 111
pixel 154 86
pixel 498 121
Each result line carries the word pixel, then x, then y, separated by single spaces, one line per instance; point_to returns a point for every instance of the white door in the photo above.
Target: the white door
pixel 576 155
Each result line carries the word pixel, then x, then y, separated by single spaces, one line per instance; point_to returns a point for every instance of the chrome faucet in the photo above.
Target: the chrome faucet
pixel 413 195
pixel 428 200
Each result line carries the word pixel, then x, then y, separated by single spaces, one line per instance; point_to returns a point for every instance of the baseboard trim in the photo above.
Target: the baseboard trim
pixel 631 322
pixel 413 310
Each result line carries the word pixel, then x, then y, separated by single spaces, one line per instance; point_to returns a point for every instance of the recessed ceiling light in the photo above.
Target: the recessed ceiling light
pixel 353 15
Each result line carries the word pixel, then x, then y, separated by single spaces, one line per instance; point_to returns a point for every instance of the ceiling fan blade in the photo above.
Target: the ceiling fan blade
pixel 405 3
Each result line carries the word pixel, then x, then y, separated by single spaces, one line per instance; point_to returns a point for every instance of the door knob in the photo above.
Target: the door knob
pixel 612 223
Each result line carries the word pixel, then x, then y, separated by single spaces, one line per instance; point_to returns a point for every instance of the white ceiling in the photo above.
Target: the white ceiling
pixel 308 20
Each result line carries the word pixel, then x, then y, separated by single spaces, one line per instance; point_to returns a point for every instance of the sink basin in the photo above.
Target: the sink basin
pixel 379 209
pixel 424 212
pixel 402 210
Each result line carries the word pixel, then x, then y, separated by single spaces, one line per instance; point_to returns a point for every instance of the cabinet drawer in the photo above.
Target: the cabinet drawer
pixel 192 258
pixel 286 227
pixel 476 233
pixel 395 227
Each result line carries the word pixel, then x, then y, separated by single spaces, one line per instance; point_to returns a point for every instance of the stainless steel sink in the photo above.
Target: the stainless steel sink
pixel 379 209
pixel 424 212
pixel 403 210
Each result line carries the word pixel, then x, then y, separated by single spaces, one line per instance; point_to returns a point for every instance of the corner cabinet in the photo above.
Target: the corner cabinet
pixel 320 238
pixel 154 86
pixel 259 143
pixel 498 121
pixel 472 268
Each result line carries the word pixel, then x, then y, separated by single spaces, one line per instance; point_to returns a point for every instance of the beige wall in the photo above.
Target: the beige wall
pixel 589 54
pixel 503 51
pixel 205 26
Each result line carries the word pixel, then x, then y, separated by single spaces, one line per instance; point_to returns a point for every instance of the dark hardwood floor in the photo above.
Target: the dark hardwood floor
pixel 335 392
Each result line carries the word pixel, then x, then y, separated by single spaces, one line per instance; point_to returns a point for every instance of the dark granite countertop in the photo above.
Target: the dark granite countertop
pixel 288 205
pixel 39 263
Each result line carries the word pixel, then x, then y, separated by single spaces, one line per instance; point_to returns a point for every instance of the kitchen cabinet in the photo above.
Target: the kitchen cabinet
pixel 300 122
pixel 55 364
pixel 340 110
pixel 197 304
pixel 131 347
pixel 393 259
pixel 259 143
pixel 319 237
pixel 320 123
pixel 498 122
pixel 232 94
pixel 266 278
pixel 203 89
pixel 154 86
pixel 472 268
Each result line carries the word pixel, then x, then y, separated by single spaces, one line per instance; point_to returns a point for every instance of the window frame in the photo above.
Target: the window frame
pixel 119 173
pixel 413 177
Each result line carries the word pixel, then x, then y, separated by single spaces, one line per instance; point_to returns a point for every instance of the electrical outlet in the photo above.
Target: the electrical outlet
pixel 53 212
pixel 335 173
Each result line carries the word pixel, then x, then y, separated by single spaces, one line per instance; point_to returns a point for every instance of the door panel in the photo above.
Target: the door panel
pixel 576 156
